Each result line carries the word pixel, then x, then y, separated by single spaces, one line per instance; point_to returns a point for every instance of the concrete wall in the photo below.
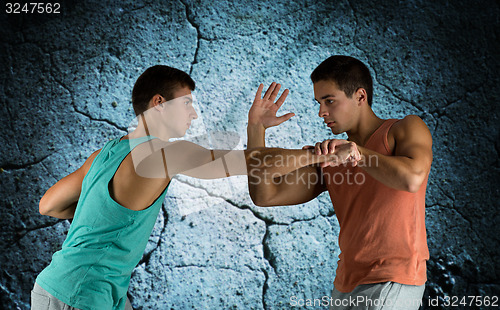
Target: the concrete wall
pixel 65 90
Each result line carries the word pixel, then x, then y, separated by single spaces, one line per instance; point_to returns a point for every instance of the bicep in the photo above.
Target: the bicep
pixel 68 188
pixel 414 140
pixel 72 183
pixel 182 156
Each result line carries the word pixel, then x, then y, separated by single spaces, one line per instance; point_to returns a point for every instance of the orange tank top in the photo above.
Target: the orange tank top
pixel 382 230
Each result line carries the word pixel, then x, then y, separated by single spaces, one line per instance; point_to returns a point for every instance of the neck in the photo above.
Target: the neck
pixel 367 123
pixel 146 126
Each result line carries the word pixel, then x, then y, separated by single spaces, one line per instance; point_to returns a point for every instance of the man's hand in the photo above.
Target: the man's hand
pixel 341 151
pixel 263 110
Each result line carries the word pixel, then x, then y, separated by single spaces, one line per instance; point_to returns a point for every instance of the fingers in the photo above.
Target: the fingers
pixel 282 98
pixel 269 91
pixel 331 147
pixel 275 92
pixel 339 152
pixel 325 146
pixel 317 148
pixel 258 95
pixel 308 147
pixel 271 94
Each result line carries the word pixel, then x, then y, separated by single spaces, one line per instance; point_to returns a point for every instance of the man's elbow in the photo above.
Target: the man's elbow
pixel 413 188
pixel 414 183
pixel 261 198
pixel 44 207
pixel 258 200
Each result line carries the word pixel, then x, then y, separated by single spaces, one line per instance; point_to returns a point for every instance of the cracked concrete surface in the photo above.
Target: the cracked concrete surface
pixel 65 90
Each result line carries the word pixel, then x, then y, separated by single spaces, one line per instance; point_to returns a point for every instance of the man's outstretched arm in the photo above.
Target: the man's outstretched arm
pixel 187 158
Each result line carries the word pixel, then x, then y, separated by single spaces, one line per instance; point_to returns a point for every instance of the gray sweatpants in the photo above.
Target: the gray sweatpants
pixel 43 300
pixel 379 296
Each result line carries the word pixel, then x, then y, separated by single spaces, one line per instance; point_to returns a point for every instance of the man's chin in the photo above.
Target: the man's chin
pixel 180 134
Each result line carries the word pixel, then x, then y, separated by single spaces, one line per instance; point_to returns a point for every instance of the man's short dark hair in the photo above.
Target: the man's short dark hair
pixel 348 73
pixel 162 80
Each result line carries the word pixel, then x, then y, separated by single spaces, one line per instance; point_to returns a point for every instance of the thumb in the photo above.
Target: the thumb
pixel 307 147
pixel 284 118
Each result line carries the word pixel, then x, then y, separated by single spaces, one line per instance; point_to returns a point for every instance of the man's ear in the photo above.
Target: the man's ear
pixel 156 102
pixel 361 96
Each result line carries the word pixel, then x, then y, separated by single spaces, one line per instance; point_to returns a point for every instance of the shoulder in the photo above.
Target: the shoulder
pixel 408 126
pixel 92 156
pixel 410 132
pixel 181 145
pixel 86 165
pixel 409 121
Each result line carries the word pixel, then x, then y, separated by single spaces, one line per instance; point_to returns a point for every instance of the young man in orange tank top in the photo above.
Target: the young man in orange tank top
pixel 379 198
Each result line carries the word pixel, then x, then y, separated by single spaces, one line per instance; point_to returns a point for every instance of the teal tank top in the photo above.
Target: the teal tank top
pixel 105 240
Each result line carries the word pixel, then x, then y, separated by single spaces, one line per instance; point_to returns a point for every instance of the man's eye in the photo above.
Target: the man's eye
pixel 329 101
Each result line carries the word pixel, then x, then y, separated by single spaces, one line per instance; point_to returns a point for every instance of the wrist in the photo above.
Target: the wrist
pixel 312 159
pixel 256 135
pixel 256 126
pixel 362 154
pixel 256 130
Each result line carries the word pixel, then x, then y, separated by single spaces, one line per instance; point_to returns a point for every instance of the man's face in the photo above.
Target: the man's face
pixel 337 110
pixel 179 112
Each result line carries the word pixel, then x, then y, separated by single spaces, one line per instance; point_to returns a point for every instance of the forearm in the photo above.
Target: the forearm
pixel 399 172
pixel 274 161
pixel 268 163
pixel 271 163
pixel 220 164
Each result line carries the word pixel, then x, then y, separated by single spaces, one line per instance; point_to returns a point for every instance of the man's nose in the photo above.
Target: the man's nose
pixel 322 111
pixel 194 115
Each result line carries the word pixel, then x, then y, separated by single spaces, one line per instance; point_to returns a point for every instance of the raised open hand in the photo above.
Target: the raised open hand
pixel 264 109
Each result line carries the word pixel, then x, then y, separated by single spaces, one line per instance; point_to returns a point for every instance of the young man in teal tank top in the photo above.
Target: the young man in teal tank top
pixel 115 196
